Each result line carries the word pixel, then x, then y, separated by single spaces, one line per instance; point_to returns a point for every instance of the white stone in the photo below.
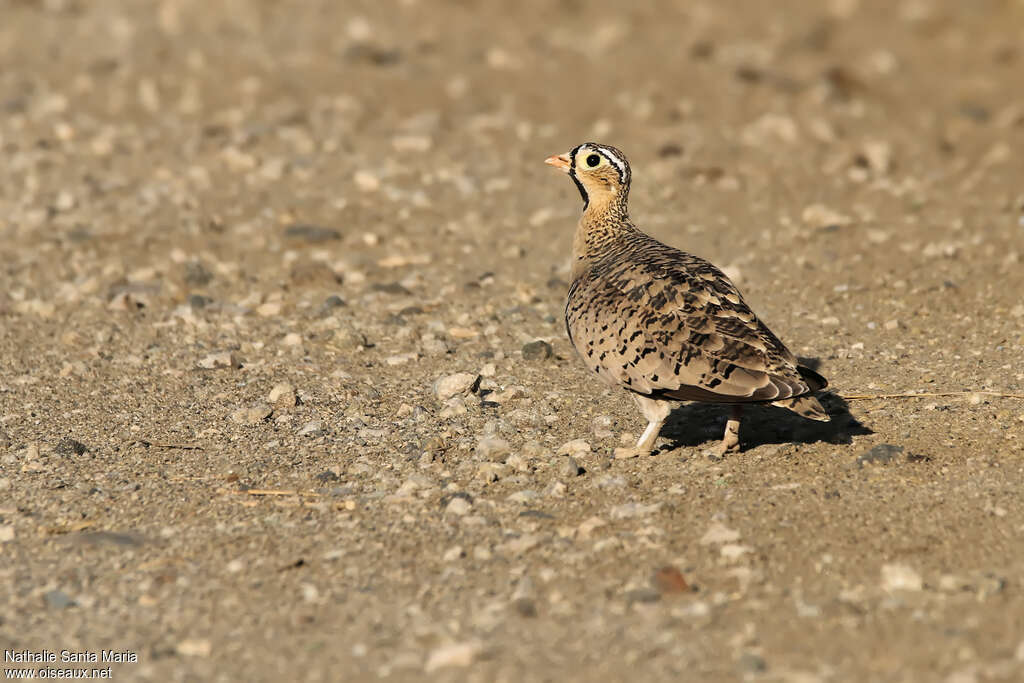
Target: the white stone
pixel 575 448
pixel 452 385
pixel 455 655
pixel 458 506
pixel 718 533
pixel 896 577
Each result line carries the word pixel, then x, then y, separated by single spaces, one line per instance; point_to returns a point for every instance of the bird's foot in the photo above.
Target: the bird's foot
pixel 627 452
pixel 727 446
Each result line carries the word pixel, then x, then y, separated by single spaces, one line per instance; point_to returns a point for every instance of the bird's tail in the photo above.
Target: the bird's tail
pixel 805 406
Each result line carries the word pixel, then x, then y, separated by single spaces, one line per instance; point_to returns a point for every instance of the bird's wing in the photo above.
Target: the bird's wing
pixel 673 325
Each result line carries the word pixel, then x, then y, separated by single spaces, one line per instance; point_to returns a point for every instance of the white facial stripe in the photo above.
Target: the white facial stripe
pixel 615 161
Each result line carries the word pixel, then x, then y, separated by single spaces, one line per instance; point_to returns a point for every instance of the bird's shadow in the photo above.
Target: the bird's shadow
pixel 696 424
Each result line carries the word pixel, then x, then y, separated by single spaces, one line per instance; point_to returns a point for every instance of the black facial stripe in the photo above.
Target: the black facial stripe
pixel 572 174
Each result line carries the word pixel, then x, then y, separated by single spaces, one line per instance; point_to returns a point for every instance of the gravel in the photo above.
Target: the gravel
pixel 294 274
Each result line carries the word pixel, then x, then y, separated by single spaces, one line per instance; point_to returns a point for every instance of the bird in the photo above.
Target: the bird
pixel 664 324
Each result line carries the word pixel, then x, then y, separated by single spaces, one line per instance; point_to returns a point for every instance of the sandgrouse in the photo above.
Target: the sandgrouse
pixel 664 324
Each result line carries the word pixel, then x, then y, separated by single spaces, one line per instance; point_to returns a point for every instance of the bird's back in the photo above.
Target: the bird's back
pixel 662 322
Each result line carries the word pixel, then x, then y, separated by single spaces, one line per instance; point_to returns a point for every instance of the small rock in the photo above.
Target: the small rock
pixel 734 551
pixel 197 275
pixel 314 273
pixel 644 594
pixel 224 359
pixel 454 553
pixel 882 454
pixel 537 350
pixel 489 472
pixel 892 325
pixel 458 506
pixel 575 448
pixel 570 468
pixel 312 428
pixel 332 302
pixel 453 408
pixel 198 302
pixel 718 533
pixel 521 545
pixel 252 415
pixel 58 599
pixel 631 510
pixel 456 655
pixel 822 217
pixel 524 497
pixel 493 448
pixel 327 476
pixel 311 233
pixel 366 181
pixel 669 580
pixel 6 533
pixel 452 385
pixel 193 647
pixel 68 447
pixel 900 577
pixel 282 395
pixel 751 663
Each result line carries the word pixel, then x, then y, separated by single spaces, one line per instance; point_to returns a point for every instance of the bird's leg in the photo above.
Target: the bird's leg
pixel 656 412
pixel 731 439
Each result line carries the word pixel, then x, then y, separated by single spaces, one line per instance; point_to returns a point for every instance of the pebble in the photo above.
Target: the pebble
pixel 518 463
pixel 900 577
pixel 224 359
pixel 601 426
pixel 489 472
pixel 311 233
pixel 366 181
pixel 820 217
pixel 751 663
pixel 458 506
pixel 734 551
pixel 6 533
pixel 194 647
pixel 718 533
pixel 282 395
pixel 631 510
pixel 453 385
pixel 454 553
pixel 252 415
pixel 537 350
pixel 493 448
pixel 58 599
pixel 575 448
pixel 453 408
pixel 311 428
pixel 521 545
pixel 882 454
pixel 523 497
pixel 669 580
pixel 455 655
pixel 68 447
pixel 571 468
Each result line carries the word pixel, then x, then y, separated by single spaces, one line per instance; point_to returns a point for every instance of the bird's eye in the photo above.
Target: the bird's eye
pixel 593 160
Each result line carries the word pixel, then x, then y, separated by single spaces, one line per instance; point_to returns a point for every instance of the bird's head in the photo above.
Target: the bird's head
pixel 600 172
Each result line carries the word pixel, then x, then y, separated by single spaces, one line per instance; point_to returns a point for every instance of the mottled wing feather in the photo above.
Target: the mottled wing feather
pixel 663 322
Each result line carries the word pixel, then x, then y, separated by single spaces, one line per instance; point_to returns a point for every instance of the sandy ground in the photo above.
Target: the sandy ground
pixel 241 242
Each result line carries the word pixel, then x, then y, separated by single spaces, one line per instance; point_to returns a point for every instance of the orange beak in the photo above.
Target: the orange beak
pixel 560 161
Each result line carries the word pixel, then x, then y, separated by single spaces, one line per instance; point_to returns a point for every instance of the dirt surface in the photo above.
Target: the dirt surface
pixel 241 242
